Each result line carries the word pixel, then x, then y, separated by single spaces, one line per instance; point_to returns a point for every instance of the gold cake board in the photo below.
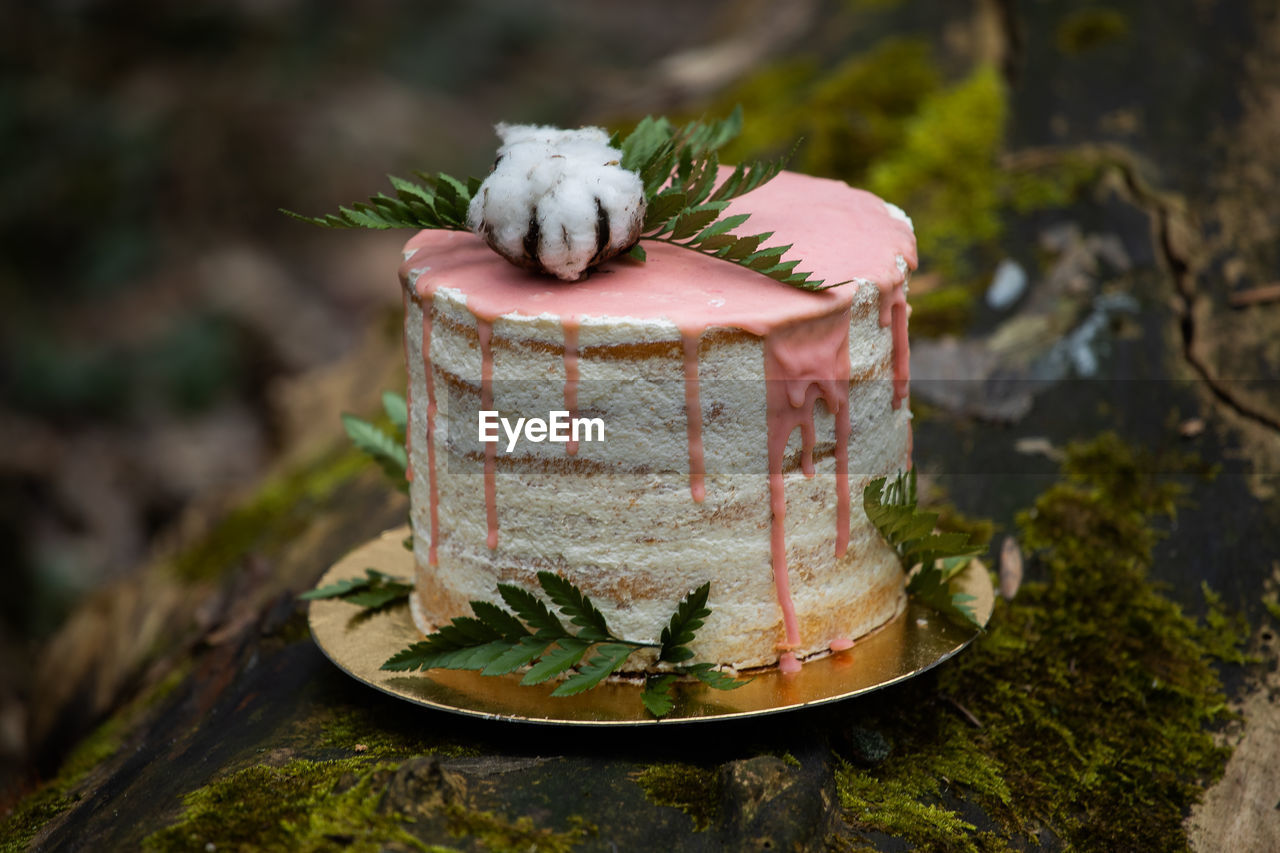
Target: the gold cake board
pixel 358 643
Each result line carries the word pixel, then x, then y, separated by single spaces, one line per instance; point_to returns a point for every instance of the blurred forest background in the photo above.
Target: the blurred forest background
pixel 170 340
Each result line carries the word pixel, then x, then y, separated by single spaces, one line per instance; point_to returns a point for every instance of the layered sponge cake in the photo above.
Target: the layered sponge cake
pixel 727 426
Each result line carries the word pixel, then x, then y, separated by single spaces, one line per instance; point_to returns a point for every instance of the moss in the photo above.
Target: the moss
pixel 888 120
pixel 1273 607
pixel 896 806
pixel 1087 29
pixel 62 793
pixel 356 727
pixel 943 311
pixel 945 172
pixel 1224 634
pixel 980 530
pixel 279 512
pixel 848 117
pixel 884 119
pixel 1055 182
pixel 294 807
pixel 520 836
pixel 306 805
pixel 32 814
pixel 692 789
pixel 1091 695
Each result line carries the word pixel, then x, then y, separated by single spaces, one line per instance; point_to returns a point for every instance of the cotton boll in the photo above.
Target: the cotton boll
pixel 557 201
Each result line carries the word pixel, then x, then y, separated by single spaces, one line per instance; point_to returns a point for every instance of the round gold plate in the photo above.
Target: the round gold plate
pixel 918 639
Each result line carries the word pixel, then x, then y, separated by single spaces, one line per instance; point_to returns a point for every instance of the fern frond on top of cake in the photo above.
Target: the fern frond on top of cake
pixel 562 202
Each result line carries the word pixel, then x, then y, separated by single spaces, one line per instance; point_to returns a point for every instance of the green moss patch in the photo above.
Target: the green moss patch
pixel 355 728
pixel 692 789
pixel 278 513
pixel 1085 710
pixel 849 116
pixel 886 120
pixel 889 120
pixel 36 810
pixel 63 792
pixel 306 805
pixel 944 172
pixel 299 806
pixel 942 311
pixel 519 836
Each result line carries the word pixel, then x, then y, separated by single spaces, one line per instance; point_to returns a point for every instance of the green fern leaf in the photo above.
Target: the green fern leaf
pixel 397 410
pixel 891 507
pixel 434 654
pixel 336 590
pixel 606 660
pixel 645 143
pixel 656 694
pixel 523 653
pixel 494 617
pixel 375 591
pixel 712 677
pixel 386 450
pixel 743 247
pixel 688 618
pixel 720 228
pixel 381 597
pixel 564 656
pixel 695 219
pixel 532 610
pixel 575 605
pixel 662 209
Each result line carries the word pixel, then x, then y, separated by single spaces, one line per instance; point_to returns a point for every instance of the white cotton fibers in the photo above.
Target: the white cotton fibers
pixel 557 201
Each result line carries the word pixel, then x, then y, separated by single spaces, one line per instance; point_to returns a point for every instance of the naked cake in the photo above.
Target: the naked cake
pixel 740 421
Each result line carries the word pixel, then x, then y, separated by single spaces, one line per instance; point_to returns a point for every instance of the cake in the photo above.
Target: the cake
pixel 741 419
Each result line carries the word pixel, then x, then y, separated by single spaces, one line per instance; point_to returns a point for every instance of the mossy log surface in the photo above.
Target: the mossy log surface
pixel 1118 702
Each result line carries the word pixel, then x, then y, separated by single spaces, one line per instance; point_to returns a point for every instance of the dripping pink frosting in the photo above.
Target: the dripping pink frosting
pixel 804 363
pixel 484 331
pixel 408 395
pixel 840 233
pixel 433 494
pixel 570 325
pixel 693 414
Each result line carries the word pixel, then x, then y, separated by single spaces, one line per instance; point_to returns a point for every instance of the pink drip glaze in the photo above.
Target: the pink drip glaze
pixel 911 444
pixel 804 363
pixel 788 663
pixel 840 644
pixel 843 234
pixel 693 417
pixel 408 398
pixel 894 312
pixel 570 326
pixel 484 331
pixel 432 491
pixel 843 428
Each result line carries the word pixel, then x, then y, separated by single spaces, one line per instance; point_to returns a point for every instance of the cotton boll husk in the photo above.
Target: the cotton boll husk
pixel 557 201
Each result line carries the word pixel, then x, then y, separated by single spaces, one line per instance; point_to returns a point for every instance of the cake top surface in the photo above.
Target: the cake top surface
pixel 840 233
